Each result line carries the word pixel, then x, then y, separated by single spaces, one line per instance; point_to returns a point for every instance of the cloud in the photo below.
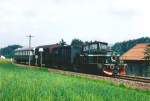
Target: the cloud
pixel 51 20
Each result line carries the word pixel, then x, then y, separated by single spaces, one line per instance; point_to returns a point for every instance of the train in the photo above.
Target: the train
pixel 94 57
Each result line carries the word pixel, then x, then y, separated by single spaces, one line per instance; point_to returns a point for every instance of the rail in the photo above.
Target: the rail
pixel 133 78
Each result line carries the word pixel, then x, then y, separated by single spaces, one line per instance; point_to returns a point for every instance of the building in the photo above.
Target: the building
pixel 137 65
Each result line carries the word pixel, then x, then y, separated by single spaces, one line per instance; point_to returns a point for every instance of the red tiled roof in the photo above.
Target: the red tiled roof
pixel 135 53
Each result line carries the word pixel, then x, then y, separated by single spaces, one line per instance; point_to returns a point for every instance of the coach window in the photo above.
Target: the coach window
pixel 31 53
pixel 22 52
pixel 26 53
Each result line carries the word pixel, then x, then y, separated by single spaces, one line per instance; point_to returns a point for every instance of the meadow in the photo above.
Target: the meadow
pixel 28 84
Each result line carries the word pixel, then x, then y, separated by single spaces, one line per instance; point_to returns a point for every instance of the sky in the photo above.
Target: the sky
pixel 50 20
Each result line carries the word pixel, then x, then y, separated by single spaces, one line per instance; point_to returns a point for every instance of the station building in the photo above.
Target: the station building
pixel 135 59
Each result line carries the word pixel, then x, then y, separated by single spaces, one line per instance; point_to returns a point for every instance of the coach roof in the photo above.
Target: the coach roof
pixel 24 49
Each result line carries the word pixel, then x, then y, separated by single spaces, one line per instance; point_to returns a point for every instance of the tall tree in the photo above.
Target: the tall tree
pixel 77 43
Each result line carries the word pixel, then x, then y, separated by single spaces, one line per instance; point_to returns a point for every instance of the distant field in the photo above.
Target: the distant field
pixel 28 84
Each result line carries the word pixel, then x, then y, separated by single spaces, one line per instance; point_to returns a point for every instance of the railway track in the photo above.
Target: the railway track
pixel 133 78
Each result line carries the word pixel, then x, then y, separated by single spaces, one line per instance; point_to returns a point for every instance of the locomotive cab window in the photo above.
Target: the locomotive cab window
pixel 93 47
pixel 103 46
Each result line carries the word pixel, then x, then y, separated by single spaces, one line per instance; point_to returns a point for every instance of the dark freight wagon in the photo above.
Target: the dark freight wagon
pixel 65 55
pixel 47 56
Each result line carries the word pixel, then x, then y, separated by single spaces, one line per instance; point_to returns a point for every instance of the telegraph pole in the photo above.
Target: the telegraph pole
pixel 30 36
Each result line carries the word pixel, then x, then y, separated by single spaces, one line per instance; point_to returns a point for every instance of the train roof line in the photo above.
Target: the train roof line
pixel 25 48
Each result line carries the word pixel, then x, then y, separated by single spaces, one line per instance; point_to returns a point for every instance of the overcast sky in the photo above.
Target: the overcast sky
pixel 50 20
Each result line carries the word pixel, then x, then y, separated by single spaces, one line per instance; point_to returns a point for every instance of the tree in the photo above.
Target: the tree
pixel 77 43
pixel 9 50
pixel 122 47
pixel 62 42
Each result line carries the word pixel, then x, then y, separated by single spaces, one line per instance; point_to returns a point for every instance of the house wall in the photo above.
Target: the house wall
pixel 137 68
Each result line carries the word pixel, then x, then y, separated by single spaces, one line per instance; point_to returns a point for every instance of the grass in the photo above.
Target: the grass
pixel 28 84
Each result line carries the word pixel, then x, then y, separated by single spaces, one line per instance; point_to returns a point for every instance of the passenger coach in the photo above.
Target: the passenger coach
pixel 22 55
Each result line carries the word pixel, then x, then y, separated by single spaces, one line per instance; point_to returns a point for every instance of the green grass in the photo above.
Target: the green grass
pixel 28 84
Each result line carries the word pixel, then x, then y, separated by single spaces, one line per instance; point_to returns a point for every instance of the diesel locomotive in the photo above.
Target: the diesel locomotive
pixel 94 57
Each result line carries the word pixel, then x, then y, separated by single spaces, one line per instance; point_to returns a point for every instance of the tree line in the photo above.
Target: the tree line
pixel 119 47
pixel 122 47
pixel 9 50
